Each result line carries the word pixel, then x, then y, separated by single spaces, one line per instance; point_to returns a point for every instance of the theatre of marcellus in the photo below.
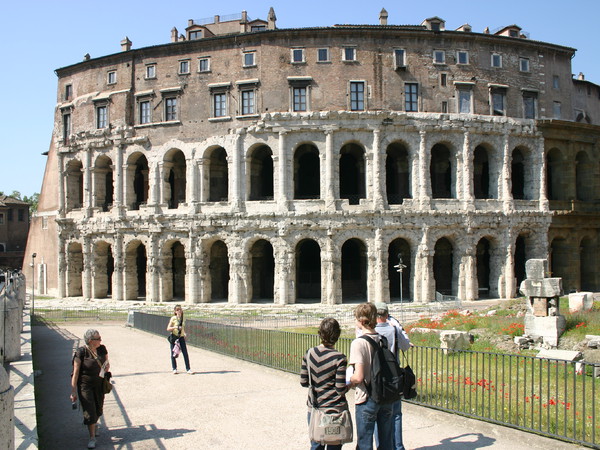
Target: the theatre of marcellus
pixel 242 163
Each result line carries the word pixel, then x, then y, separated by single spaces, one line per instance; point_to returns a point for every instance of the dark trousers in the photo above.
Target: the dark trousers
pixel 184 352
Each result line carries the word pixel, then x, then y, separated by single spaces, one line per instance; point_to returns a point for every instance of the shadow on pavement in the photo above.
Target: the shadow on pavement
pixel 459 442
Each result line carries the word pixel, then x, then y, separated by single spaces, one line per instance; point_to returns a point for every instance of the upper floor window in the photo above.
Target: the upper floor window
pixel 184 67
pixel 68 92
pixel 145 111
pixel 556 82
pixel 248 106
pixel 529 104
pixel 249 59
pixel 219 104
pixel 498 101
pixel 195 35
pixel 9 215
pixel 21 214
pixel 399 58
pixel 204 64
pixel 299 95
pixel 111 77
pixel 298 55
pixel 258 27
pixel 357 96
pixel 170 109
pixel 151 71
pixel 557 110
pixel 349 54
pixel 465 100
pixel 443 79
pixel 462 57
pixel 66 127
pixel 411 97
pixel 101 116
pixel 496 60
pixel 323 55
pixel 524 64
pixel 439 57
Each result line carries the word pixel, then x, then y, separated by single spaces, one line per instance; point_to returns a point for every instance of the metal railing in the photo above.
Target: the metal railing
pixel 545 396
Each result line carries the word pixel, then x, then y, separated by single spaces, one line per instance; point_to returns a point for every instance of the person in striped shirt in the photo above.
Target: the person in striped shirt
pixel 328 371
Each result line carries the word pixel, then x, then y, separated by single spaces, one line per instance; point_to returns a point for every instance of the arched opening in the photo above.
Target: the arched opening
pixel 218 177
pixel 588 264
pixel 74 270
pixel 399 253
pixel 481 173
pixel 561 263
pixel 263 271
pixel 584 177
pixel 308 271
pixel 175 166
pixel 441 172
pixel 554 175
pixel 397 174
pixel 483 268
pixel 103 183
pixel 178 270
pixel 307 182
pixel 219 272
pixel 443 266
pixel 520 258
pixel 354 271
pixel 261 174
pixel 74 185
pixel 140 183
pixel 135 270
pixel 104 267
pixel 352 173
pixel 518 175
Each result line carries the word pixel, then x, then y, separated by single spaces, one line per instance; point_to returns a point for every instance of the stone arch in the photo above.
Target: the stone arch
pixel 517 174
pixel 308 271
pixel 397 173
pixel 354 270
pixel 174 269
pixel 443 267
pixel 555 175
pixel 260 172
pixel 584 177
pixel 74 270
pixel 352 173
pixel 103 183
pixel 104 267
pixel 307 171
pixel 218 175
pixel 136 262
pixel 219 271
pixel 137 184
pixel 441 172
pixel 520 258
pixel 588 264
pixel 399 248
pixel 174 166
pixel 483 253
pixel 481 173
pixel 262 270
pixel 74 185
pixel 560 261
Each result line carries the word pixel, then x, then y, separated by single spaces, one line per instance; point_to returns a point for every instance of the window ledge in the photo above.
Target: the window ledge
pixel 219 119
pixel 158 124
pixel 248 116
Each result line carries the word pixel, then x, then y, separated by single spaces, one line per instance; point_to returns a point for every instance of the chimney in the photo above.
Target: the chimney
pixel 217 19
pixel 487 30
pixel 174 34
pixel 244 22
pixel 190 22
pixel 86 57
pixel 581 76
pixel 271 19
pixel 125 44
pixel 383 17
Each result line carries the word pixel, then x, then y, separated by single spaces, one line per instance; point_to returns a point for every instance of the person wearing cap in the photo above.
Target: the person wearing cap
pixel 397 339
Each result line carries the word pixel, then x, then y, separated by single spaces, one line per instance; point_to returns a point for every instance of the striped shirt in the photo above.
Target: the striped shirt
pixel 328 370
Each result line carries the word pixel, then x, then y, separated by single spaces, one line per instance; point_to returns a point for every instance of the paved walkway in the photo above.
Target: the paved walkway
pixel 226 404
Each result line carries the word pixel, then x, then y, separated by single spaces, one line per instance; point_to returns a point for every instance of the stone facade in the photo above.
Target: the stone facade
pixel 14 228
pixel 297 165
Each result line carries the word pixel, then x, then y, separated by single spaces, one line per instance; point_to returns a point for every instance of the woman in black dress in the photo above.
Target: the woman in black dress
pixel 90 363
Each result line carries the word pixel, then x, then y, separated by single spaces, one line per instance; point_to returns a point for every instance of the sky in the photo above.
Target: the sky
pixel 40 36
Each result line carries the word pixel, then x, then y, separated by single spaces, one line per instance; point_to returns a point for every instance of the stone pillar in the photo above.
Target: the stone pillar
pixel 87 184
pixel 7 409
pixel 376 269
pixel 117 277
pixel 203 179
pixel 61 186
pixel 330 183
pixel 331 286
pixel 191 270
pixel 544 204
pixel 378 202
pixel 119 202
pixel 467 173
pixel 236 173
pixel 283 196
pixel 467 285
pixel 424 282
pixel 506 175
pixel 191 187
pixel 88 269
pixel 153 270
pixel 62 267
pixel 424 177
pixel 284 278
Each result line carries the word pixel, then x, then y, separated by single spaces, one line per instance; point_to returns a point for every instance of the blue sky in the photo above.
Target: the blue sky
pixel 40 36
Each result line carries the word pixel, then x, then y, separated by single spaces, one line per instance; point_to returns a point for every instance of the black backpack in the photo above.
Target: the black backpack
pixel 387 377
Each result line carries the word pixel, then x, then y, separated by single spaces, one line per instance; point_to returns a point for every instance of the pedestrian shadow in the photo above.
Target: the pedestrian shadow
pixel 136 374
pixel 125 436
pixel 458 442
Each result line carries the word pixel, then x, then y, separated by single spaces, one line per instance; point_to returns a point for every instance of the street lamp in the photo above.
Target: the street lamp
pixel 400 268
pixel 33 255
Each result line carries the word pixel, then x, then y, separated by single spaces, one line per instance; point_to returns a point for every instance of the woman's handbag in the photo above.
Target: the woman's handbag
pixel 328 426
pixel 410 381
pixel 176 349
pixel 106 384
